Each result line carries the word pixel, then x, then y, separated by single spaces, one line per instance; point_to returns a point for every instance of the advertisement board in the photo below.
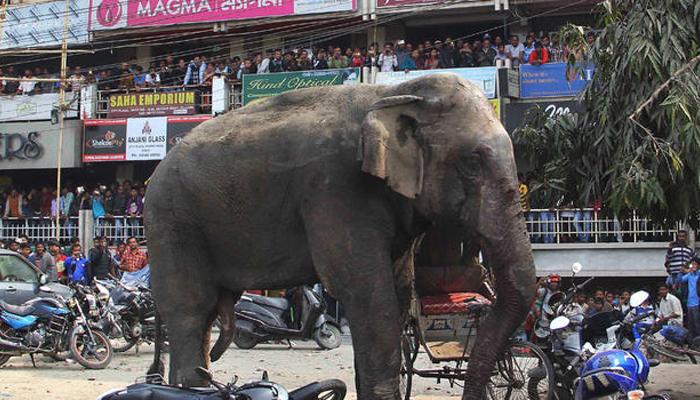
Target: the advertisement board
pixel 515 112
pixel 553 80
pixel 134 139
pixel 114 14
pixel 483 77
pixel 34 145
pixel 41 24
pixel 30 108
pixel 124 105
pixel 256 87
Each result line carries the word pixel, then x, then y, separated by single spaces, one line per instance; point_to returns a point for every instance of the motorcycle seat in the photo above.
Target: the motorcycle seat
pixel 274 302
pixel 23 310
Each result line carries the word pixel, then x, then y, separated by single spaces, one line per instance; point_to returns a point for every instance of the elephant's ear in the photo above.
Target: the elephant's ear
pixel 389 149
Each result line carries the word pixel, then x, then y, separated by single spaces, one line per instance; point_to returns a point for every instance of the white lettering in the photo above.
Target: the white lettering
pixel 172 6
pixel 204 5
pixel 187 8
pixel 144 9
pixel 160 8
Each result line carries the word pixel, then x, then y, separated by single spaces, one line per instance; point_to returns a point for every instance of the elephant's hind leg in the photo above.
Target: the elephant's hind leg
pixel 186 297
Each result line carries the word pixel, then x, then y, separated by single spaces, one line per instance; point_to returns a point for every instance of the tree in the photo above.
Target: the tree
pixel 637 147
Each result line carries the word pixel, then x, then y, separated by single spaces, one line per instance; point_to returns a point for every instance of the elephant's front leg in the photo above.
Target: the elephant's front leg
pixel 352 259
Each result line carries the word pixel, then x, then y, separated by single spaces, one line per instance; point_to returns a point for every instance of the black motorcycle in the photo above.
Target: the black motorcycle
pixel 131 315
pixel 302 315
pixel 331 389
pixel 51 326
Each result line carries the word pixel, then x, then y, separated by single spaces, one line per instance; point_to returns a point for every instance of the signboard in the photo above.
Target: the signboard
pixel 513 83
pixel 30 108
pixel 151 104
pixel 114 14
pixel 134 139
pixel 146 138
pixel 35 145
pixel 41 24
pixel 483 77
pixel 515 112
pixel 256 87
pixel 551 80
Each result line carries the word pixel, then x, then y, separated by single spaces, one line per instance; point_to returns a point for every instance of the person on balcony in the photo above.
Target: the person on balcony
pixel 338 60
pixel 515 51
pixel 11 87
pixel 539 55
pixel 678 255
pixel 13 205
pixel 27 86
pixel 139 78
pixel 134 209
pixel 276 63
pixel 152 78
pixel 320 62
pixel 105 81
pixel 388 61
pixel 466 56
pixel 76 81
pixel 195 72
pixel 486 56
pixel 290 62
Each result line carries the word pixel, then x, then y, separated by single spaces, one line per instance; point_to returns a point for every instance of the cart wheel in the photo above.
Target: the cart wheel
pixel 406 372
pixel 523 372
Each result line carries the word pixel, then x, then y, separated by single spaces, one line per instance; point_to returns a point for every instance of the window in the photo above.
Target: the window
pixel 14 269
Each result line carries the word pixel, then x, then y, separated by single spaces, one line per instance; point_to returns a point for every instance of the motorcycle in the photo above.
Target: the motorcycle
pixel 130 316
pixel 331 389
pixel 617 369
pixel 261 319
pixel 51 325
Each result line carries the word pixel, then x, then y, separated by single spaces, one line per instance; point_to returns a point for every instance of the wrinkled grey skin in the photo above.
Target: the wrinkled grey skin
pixel 334 183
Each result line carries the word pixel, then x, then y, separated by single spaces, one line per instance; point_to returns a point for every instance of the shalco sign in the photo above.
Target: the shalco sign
pixel 20 146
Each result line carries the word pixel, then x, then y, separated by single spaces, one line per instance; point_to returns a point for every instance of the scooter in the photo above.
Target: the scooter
pixel 261 319
pixel 331 389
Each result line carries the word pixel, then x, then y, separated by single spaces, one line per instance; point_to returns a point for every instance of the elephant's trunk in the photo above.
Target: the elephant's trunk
pixel 506 249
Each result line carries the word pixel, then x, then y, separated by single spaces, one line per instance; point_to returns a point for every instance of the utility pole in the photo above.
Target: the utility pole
pixel 62 107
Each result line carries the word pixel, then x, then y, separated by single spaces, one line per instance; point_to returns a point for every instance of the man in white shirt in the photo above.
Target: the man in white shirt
pixel 388 60
pixel 152 78
pixel 515 51
pixel 27 86
pixel 670 310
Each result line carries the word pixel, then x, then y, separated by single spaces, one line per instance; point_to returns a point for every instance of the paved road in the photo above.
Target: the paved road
pixel 291 368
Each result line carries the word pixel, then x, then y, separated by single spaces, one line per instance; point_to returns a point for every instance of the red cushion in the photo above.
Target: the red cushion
pixel 453 303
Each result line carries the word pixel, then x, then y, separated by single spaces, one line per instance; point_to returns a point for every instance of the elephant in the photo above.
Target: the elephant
pixel 333 184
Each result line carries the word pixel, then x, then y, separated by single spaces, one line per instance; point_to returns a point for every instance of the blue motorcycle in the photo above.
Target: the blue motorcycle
pixel 52 325
pixel 622 372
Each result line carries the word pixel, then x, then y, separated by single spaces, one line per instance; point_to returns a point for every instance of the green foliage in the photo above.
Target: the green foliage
pixel 629 152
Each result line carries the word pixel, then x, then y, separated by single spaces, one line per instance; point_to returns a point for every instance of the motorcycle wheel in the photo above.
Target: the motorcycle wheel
pixel 124 342
pixel 331 389
pixel 328 337
pixel 4 359
pixel 244 341
pixel 90 354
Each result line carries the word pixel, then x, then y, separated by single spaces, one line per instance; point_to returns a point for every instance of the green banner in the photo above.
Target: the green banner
pixel 260 86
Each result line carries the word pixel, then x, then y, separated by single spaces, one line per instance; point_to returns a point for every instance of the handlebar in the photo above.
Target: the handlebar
pixel 584 283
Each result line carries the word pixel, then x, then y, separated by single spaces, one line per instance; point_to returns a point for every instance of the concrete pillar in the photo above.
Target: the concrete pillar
pixel 220 95
pixel 86 228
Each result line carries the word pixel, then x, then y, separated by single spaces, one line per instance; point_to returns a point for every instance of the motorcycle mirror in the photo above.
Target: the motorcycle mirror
pixel 45 289
pixel 43 279
pixel 576 267
pixel 265 377
pixel 560 322
pixel 638 298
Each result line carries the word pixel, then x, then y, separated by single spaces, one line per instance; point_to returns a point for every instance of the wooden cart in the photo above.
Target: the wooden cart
pixel 444 327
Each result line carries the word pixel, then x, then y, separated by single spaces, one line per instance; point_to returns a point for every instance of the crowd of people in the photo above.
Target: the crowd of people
pixel 199 71
pixel 676 301
pixel 118 199
pixel 72 265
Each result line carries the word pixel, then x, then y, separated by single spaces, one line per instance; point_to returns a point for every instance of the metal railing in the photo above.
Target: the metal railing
pixel 118 229
pixel 39 229
pixel 589 225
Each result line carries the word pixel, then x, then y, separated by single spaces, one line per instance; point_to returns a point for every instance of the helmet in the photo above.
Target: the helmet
pixel 606 373
pixel 553 278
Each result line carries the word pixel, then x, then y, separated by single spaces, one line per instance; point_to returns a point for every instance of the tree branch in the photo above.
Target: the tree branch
pixel 688 66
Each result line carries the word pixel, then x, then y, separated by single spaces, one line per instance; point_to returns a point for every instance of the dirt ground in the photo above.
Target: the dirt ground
pixel 291 368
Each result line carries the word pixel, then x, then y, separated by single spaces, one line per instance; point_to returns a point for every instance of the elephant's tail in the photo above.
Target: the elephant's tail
pixel 156 371
pixel 227 319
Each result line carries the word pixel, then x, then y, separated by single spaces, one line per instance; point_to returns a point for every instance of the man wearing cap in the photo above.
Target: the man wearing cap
pixel 690 277
pixel 402 52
